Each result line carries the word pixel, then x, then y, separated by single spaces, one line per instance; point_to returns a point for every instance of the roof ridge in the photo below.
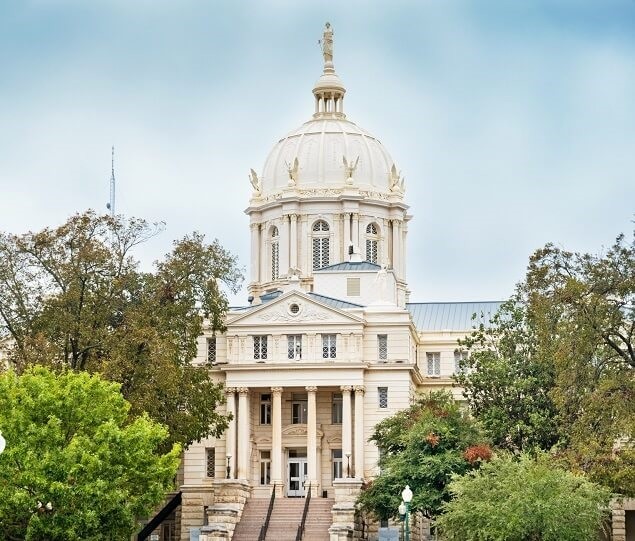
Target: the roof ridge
pixel 456 302
pixel 313 293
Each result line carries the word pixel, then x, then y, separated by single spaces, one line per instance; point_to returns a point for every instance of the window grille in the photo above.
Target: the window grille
pixel 459 361
pixel 265 409
pixel 265 467
pixel 211 349
pixel 275 260
pixel 294 346
pixel 382 346
pixel 336 409
pixel 434 364
pixel 321 244
pixel 382 393
pixel 336 457
pixel 210 465
pixel 353 287
pixel 260 347
pixel 372 244
pixel 320 225
pixel 329 346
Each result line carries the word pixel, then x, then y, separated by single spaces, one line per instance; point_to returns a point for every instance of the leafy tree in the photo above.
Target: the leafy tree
pixel 75 297
pixel 507 385
pixel 526 499
pixel 422 446
pixel 72 443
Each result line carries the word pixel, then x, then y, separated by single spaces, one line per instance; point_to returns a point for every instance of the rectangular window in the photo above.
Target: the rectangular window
pixel 336 458
pixel 382 347
pixel 329 346
pixel 434 364
pixel 260 347
pixel 265 409
pixel 210 465
pixel 459 361
pixel 336 409
pixel 352 287
pixel 265 467
pixel 299 408
pixel 382 393
pixel 294 346
pixel 211 349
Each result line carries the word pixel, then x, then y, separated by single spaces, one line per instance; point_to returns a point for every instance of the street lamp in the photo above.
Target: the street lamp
pixel 348 465
pixel 3 443
pixel 406 496
pixel 402 516
pixel 229 468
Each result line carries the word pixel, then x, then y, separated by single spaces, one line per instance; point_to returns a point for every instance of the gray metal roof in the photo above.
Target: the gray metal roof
pixel 351 266
pixel 454 316
pixel 335 303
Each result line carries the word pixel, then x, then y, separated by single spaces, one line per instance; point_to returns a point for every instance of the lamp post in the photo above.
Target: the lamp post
pixel 406 496
pixel 402 515
pixel 348 465
pixel 229 468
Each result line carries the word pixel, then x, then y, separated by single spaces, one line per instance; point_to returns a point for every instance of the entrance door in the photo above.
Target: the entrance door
pixel 296 476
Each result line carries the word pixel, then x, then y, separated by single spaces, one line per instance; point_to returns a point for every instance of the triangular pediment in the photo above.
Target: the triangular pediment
pixel 294 308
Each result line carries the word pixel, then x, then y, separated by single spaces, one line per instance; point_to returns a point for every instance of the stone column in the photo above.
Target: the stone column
pixel 243 433
pixel 230 434
pixel 359 431
pixel 356 231
pixel 255 252
pixel 293 248
pixel 404 245
pixel 276 437
pixel 346 428
pixel 284 246
pixel 396 247
pixel 311 438
pixel 347 235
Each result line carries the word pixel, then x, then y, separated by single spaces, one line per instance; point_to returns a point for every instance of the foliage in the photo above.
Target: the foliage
pixel 71 442
pixel 75 297
pixel 422 446
pixel 557 365
pixel 507 385
pixel 523 498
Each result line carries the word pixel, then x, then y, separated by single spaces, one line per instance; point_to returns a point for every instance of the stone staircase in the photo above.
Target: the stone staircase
pixel 285 519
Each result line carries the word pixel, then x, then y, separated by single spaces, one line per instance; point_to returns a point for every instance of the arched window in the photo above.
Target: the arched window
pixel 275 253
pixel 321 244
pixel 372 243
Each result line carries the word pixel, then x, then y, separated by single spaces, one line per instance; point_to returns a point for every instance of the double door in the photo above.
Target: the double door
pixel 297 470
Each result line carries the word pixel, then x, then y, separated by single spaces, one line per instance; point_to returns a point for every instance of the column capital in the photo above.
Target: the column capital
pixel 294 217
pixel 230 390
pixel 254 225
pixel 359 389
pixel 242 390
pixel 311 388
pixel 277 390
pixel 346 388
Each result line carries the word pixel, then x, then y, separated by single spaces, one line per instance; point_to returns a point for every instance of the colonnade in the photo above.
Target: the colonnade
pixel 238 435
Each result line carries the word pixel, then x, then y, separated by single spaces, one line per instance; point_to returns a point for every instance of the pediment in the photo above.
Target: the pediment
pixel 293 308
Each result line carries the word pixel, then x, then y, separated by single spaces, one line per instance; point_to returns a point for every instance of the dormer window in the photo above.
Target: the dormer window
pixel 321 244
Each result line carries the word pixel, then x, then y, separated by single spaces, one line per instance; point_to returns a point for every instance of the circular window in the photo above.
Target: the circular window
pixel 294 309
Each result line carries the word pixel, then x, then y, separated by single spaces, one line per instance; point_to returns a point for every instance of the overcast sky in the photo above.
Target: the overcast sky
pixel 512 121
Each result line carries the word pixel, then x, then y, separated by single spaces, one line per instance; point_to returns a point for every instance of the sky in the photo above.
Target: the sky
pixel 512 122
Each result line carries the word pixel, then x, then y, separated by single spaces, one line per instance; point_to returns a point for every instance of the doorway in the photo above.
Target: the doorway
pixel 297 469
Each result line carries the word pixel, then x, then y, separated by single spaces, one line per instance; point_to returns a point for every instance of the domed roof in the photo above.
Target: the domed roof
pixel 327 148
pixel 328 151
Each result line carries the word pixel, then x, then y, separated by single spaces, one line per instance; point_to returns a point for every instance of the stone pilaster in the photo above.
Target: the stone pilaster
pixel 359 431
pixel 346 493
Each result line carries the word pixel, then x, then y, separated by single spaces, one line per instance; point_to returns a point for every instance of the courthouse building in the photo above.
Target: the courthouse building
pixel 329 343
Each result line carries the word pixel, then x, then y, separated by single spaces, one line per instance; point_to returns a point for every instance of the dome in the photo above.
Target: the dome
pixel 326 149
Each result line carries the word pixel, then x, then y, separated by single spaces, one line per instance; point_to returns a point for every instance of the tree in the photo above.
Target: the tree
pixel 75 297
pixel 422 446
pixel 506 383
pixel 72 443
pixel 526 499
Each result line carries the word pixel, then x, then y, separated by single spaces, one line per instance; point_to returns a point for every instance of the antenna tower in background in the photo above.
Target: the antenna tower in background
pixel 111 204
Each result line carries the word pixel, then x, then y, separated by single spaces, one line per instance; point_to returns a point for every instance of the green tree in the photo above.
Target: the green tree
pixel 75 297
pixel 507 384
pixel 525 499
pixel 422 446
pixel 71 442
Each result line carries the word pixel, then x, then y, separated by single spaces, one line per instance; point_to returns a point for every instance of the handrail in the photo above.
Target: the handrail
pixel 300 533
pixel 265 526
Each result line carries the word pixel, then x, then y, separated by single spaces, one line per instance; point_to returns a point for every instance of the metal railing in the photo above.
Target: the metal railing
pixel 265 526
pixel 298 536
